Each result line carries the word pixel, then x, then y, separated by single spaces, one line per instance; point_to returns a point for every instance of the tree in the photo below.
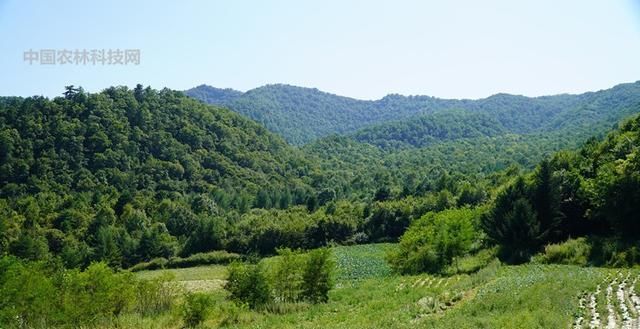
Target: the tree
pixel 312 203
pixel 262 200
pixel 287 276
pixel 546 201
pixel 436 240
pixel 316 279
pixel 30 245
pixel 326 195
pixel 248 284
pixel 156 242
pixel 207 235
pixel 513 224
pixel 70 91
pixel 382 194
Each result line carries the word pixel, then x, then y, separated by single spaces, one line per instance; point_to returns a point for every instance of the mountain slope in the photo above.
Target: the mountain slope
pixel 131 140
pixel 302 115
pixel 126 176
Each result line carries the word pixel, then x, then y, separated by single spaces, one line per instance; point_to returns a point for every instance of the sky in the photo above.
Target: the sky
pixel 361 49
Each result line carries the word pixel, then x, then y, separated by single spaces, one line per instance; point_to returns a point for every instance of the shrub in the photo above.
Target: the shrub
pixel 435 241
pixel 570 252
pixel 248 284
pixel 286 276
pixel 614 252
pixel 207 258
pixel 156 296
pixel 26 294
pixel 316 279
pixel 154 264
pixel 97 293
pixel 39 294
pixel 195 309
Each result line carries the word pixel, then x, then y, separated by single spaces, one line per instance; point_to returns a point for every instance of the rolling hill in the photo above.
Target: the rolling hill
pixel 302 115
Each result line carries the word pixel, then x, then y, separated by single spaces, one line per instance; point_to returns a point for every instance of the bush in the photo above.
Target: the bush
pixel 248 284
pixel 570 252
pixel 156 296
pixel 97 293
pixel 316 279
pixel 26 294
pixel 195 309
pixel 614 252
pixel 38 294
pixel 154 264
pixel 435 241
pixel 207 258
pixel 286 276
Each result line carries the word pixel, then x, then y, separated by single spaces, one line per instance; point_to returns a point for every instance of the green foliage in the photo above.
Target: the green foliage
pixel 195 309
pixel 26 292
pixel 592 192
pixel 289 278
pixel 248 284
pixel 302 115
pixel 512 223
pixel 207 258
pixel 39 294
pixel 125 176
pixel 286 277
pixel 571 252
pixel 436 240
pixel 317 276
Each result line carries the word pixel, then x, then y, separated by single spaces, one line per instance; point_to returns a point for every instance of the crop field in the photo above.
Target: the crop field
pixel 357 263
pixel 369 295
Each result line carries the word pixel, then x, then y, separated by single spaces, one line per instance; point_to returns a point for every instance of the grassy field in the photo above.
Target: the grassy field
pixel 210 272
pixel 369 295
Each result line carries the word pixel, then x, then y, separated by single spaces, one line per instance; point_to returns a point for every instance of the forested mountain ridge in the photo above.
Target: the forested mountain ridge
pixel 128 175
pixel 120 131
pixel 302 115
pixel 404 154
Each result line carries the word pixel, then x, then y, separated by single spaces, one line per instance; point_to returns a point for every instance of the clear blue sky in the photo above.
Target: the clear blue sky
pixel 363 49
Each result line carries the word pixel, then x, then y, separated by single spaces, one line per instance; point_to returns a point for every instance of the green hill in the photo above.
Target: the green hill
pixel 140 167
pixel 302 115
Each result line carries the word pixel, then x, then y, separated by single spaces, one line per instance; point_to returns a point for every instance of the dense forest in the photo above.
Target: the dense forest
pixel 302 115
pixel 585 202
pixel 131 174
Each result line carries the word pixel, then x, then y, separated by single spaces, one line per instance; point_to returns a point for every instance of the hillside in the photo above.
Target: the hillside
pixel 133 166
pixel 302 115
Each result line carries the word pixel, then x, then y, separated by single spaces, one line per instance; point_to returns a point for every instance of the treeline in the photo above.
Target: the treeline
pixel 575 208
pixel 593 192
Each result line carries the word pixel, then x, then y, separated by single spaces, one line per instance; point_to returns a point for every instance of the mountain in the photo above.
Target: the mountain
pixel 141 166
pixel 408 155
pixel 212 95
pixel 302 115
